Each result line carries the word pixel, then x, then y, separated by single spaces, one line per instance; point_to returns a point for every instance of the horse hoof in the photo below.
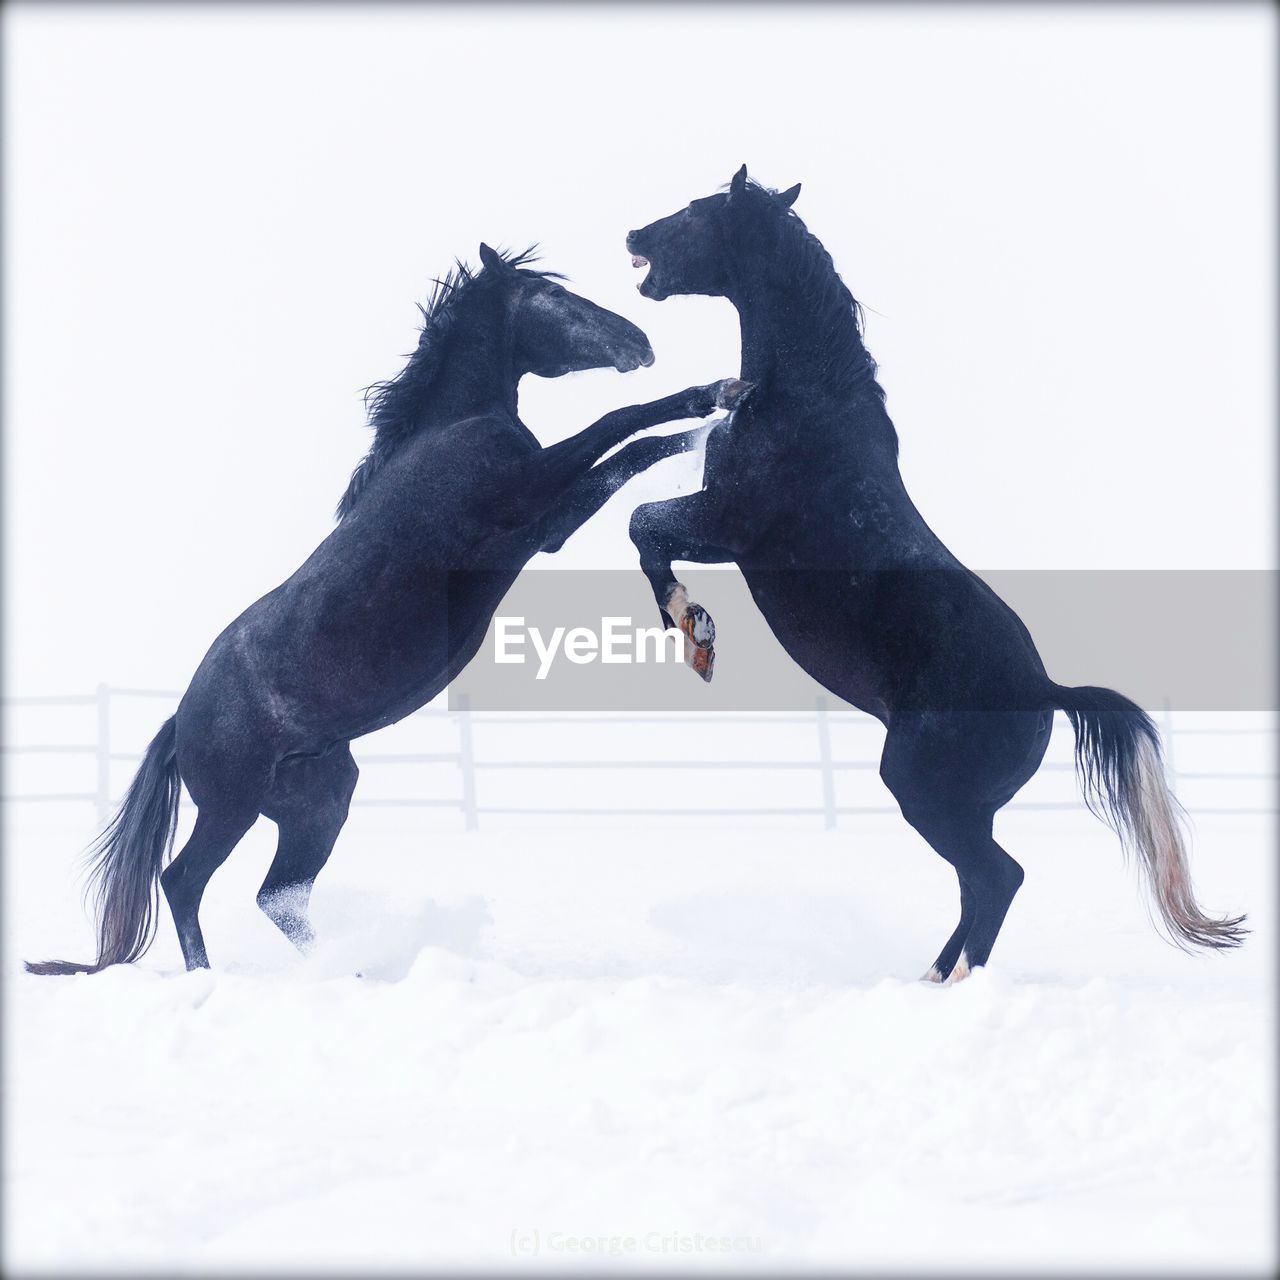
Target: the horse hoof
pixel 933 975
pixel 703 661
pixel 732 392
pixel 696 623
pixel 959 973
pixel 699 640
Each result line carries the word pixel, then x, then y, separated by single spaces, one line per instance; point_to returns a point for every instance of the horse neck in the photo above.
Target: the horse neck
pixel 787 346
pixel 478 376
pixel 786 339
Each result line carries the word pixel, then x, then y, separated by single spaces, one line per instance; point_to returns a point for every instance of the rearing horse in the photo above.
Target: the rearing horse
pixel 802 491
pixel 451 501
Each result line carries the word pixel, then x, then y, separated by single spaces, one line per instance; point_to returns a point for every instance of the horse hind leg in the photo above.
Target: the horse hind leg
pixel 308 801
pixel 989 879
pixel 218 829
pixel 953 810
pixel 995 878
pixel 950 953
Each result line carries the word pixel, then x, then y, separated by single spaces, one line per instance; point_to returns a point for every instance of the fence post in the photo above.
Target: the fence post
pixel 104 754
pixel 466 762
pixel 1170 766
pixel 828 773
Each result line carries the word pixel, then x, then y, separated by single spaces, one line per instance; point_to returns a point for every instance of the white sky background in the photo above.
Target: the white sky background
pixel 217 223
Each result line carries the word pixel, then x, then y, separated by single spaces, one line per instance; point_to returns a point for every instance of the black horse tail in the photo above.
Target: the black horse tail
pixel 127 859
pixel 1121 772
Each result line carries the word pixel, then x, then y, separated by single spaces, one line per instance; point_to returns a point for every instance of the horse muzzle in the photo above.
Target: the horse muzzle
pixel 626 361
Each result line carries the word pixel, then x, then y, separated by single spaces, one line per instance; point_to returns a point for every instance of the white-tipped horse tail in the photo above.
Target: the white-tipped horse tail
pixel 1121 771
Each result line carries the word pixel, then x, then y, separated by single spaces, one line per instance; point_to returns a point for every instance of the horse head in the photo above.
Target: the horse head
pixel 695 249
pixel 554 331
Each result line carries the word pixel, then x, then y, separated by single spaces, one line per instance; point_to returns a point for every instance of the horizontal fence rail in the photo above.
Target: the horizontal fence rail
pixel 464 758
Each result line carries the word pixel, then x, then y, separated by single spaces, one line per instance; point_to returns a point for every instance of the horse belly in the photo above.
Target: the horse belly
pixel 823 635
pixel 426 649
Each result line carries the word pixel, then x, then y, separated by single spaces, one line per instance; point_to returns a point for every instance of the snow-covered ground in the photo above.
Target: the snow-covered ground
pixel 526 1047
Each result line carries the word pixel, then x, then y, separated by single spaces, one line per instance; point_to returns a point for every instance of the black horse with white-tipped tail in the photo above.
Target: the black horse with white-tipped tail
pixel 802 491
pixel 452 500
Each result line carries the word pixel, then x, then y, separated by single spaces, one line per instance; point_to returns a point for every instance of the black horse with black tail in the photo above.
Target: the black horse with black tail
pixel 802 491
pixel 450 503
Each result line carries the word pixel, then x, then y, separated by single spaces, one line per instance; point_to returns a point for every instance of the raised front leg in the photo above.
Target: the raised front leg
pixel 547 474
pixel 590 492
pixel 684 528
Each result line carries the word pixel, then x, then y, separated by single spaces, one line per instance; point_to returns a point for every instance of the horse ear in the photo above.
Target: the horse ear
pixel 490 259
pixel 788 197
pixel 739 183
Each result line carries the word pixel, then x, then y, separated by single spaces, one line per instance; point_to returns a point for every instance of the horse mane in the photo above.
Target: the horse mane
pixel 840 317
pixel 395 406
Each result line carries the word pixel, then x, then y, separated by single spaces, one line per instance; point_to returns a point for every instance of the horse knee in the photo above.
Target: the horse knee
pixel 1015 875
pixel 640 529
pixel 352 776
pixel 347 775
pixel 174 882
pixel 997 871
pixel 965 840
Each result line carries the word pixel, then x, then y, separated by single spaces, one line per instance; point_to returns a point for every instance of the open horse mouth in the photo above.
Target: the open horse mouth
pixel 638 260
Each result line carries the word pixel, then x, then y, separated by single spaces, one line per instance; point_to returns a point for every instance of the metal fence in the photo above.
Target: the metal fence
pixel 464 797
